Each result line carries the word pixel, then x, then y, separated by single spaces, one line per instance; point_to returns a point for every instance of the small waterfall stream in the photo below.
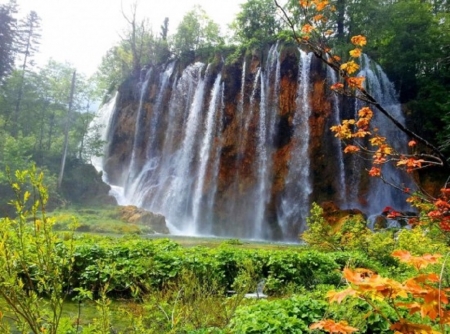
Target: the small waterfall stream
pixel 298 186
pixel 205 152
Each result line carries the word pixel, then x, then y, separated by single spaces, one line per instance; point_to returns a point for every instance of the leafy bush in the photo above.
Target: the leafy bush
pixel 349 233
pixel 292 315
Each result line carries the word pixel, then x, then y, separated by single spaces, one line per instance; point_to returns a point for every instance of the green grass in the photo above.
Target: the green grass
pixel 105 221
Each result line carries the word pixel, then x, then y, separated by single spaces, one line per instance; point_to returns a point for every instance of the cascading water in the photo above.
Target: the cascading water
pixel 383 91
pixel 234 152
pixel 331 74
pixel 205 152
pixel 294 205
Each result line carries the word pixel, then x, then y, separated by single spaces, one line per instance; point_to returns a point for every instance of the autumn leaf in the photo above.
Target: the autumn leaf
pixel 337 86
pixel 319 17
pixel 355 82
pixel 304 3
pixel 356 53
pixel 417 261
pixel 331 326
pixel 351 149
pixel 321 4
pixel 412 143
pixel 350 67
pixel 365 112
pixel 359 40
pixel 377 141
pixel 307 28
pixel 375 172
pixel 339 296
pixel 360 133
pixel 408 327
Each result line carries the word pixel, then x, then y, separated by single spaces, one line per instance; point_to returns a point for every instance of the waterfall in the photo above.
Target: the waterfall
pixel 231 150
pixel 382 195
pixel 179 197
pixel 208 213
pixel 337 142
pixel 295 204
pixel 99 128
pixel 139 131
pixel 205 152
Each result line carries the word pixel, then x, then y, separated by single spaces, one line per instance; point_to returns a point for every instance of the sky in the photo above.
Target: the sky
pixel 81 31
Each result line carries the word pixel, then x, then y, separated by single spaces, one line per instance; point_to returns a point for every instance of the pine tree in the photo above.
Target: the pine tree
pixel 7 36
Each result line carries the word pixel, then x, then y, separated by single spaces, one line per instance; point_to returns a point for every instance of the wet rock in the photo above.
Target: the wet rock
pixel 134 215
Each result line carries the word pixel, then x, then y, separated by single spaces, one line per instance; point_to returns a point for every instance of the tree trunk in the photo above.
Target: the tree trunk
pixel 66 132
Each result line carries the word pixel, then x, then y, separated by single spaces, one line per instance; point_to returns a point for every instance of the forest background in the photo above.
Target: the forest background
pixel 409 38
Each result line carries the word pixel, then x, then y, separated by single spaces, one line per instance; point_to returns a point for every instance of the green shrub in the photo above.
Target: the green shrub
pixel 292 315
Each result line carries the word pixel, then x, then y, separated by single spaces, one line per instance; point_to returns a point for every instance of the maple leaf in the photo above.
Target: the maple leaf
pixel 412 143
pixel 377 141
pixel 307 28
pixel 365 112
pixel 356 53
pixel 337 86
pixel 350 67
pixel 363 123
pixel 407 327
pixel 355 82
pixel 417 261
pixel 321 4
pixel 304 3
pixel 339 296
pixel 331 326
pixel 319 17
pixel 351 149
pixel 375 171
pixel 361 133
pixel 359 40
pixel 413 307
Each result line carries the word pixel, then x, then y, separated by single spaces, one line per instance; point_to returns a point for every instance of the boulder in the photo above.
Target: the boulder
pixel 133 215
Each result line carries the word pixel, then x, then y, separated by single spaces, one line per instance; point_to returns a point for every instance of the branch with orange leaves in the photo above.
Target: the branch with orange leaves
pixel 420 294
pixel 315 34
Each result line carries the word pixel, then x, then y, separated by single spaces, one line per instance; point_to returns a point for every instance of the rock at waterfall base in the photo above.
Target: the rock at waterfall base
pixel 133 215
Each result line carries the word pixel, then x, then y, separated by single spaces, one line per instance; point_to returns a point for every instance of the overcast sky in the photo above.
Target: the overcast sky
pixel 81 31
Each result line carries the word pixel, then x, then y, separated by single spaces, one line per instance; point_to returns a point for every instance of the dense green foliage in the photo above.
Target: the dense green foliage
pixel 176 289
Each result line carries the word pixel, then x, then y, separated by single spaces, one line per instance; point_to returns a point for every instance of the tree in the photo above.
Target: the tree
pixel 139 38
pixel 7 37
pixel 256 22
pixel 316 33
pixel 27 45
pixel 422 294
pixel 66 130
pixel 195 31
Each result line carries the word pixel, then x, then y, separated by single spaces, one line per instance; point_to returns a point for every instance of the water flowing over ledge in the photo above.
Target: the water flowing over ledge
pixel 241 150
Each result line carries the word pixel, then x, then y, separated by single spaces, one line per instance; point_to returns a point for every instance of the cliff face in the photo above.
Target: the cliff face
pixel 238 149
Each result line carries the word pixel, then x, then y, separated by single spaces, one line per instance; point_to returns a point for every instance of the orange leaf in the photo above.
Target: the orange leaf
pixel 375 171
pixel 412 143
pixel 339 296
pixel 356 53
pixel 359 40
pixel 355 82
pixel 307 28
pixel 337 86
pixel 407 327
pixel 417 261
pixel 331 326
pixel 351 149
pixel 350 67
pixel 365 112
